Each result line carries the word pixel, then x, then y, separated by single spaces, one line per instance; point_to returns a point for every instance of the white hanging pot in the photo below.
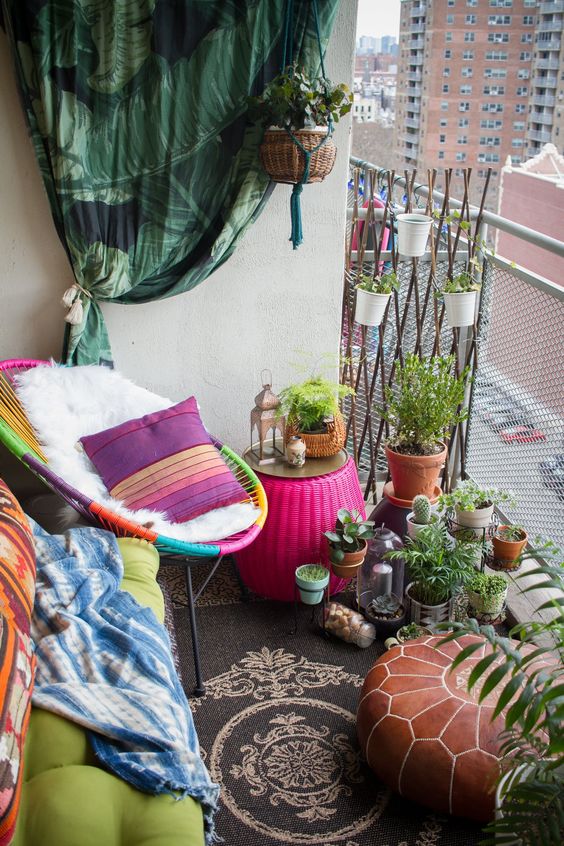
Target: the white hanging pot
pixel 460 308
pixel 370 308
pixel 413 232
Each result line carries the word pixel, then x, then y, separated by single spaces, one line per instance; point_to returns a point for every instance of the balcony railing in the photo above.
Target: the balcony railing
pixel 413 123
pixel 543 100
pixel 515 350
pixel 545 81
pixel 417 9
pixel 417 27
pixel 415 76
pixel 546 64
pixel 416 43
pixel 549 44
pixel 540 135
pixel 548 7
pixel 541 117
pixel 414 90
pixel 549 26
pixel 413 107
pixel 416 60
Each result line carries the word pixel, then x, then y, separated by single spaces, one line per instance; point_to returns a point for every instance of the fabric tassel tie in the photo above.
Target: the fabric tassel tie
pixel 297 235
pixel 72 300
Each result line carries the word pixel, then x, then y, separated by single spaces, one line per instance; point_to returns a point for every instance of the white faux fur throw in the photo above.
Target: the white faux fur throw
pixel 66 403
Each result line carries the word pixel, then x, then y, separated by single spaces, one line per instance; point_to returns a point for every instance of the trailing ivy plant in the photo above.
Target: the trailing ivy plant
pixel 529 684
pixel 379 284
pixel 469 496
pixel 294 100
pixel 425 404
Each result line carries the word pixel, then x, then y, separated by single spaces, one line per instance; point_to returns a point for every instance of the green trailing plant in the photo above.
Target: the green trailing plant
pixel 312 572
pixel 511 533
pixel 530 694
pixel 309 404
pixel 384 284
pixel 386 606
pixel 470 279
pixel 487 585
pixel 461 284
pixel 349 535
pixel 468 496
pixel 295 100
pixel 421 509
pixel 436 565
pixel 426 402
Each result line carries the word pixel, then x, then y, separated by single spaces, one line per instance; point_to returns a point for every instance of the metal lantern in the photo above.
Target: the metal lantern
pixel 378 576
pixel 267 419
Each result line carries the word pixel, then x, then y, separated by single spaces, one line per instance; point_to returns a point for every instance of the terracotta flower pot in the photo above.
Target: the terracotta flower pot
pixel 348 568
pixel 415 474
pixel 506 552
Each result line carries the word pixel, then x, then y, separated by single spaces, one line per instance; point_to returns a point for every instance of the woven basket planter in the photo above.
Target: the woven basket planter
pixel 284 161
pixel 324 444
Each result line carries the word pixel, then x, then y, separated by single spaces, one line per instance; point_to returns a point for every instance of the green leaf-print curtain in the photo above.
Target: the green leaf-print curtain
pixel 137 111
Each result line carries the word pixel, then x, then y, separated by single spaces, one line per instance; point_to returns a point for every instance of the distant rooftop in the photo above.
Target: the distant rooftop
pixel 548 165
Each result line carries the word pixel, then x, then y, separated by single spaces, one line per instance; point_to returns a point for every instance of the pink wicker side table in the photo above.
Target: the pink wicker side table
pixel 300 508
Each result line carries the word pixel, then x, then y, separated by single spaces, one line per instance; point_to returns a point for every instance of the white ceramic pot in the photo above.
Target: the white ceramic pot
pixel 413 232
pixel 370 307
pixel 413 529
pixel 428 615
pixel 491 605
pixel 460 308
pixel 477 520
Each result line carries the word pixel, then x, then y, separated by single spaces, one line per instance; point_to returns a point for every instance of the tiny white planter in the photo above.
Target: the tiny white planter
pixel 370 307
pixel 492 605
pixel 477 520
pixel 413 232
pixel 413 529
pixel 460 309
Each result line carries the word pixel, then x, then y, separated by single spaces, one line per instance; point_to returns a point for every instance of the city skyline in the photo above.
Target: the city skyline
pixel 378 18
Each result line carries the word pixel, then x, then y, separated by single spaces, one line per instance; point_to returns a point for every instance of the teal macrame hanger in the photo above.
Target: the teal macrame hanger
pixel 287 62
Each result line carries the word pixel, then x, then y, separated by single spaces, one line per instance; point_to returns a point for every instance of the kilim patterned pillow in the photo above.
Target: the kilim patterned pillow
pixel 17 590
pixel 165 461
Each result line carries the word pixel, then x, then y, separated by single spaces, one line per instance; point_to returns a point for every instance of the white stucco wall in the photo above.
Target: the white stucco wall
pixel 259 310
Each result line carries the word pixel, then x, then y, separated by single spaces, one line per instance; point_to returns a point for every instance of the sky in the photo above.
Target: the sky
pixel 378 17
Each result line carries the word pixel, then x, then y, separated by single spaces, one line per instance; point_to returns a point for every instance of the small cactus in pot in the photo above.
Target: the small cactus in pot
pixel 421 514
pixel 387 612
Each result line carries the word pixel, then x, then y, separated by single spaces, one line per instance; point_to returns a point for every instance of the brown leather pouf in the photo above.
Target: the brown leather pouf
pixel 424 735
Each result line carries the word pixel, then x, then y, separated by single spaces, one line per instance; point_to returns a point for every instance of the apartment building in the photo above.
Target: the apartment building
pixel 464 77
pixel 545 123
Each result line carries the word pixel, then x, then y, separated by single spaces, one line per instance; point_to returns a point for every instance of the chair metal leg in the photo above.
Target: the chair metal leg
pixel 199 690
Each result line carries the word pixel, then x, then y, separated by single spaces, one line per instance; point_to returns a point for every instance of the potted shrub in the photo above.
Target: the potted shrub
pixel 421 514
pixel 411 631
pixel 528 687
pixel 426 403
pixel 508 544
pixel 413 232
pixel 372 297
pixel 312 579
pixel 486 595
pixel 387 612
pixel 459 294
pixel 347 542
pixel 437 568
pixel 312 412
pixel 299 105
pixel 473 506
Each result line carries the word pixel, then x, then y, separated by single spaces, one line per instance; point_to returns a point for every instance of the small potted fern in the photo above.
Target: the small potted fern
pixel 312 412
pixel 372 297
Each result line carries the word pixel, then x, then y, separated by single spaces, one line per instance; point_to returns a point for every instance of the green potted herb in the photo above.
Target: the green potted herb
pixel 473 505
pixel 303 105
pixel 508 545
pixel 459 294
pixel 527 680
pixel 426 403
pixel 437 568
pixel 486 595
pixel 347 542
pixel 312 412
pixel 372 297
pixel 311 579
pixel 387 613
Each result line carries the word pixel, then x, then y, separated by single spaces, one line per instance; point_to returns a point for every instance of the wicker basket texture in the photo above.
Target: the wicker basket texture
pixel 325 444
pixel 284 161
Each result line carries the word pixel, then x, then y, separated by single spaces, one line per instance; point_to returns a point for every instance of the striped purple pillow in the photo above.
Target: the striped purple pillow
pixel 164 461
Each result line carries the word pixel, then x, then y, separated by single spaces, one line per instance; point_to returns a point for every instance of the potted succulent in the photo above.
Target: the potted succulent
pixel 508 545
pixel 299 105
pixel 426 403
pixel 437 568
pixel 459 294
pixel 529 688
pixel 387 613
pixel 312 412
pixel 347 542
pixel 421 514
pixel 372 297
pixel 312 579
pixel 473 506
pixel 486 595
pixel 411 631
pixel 413 232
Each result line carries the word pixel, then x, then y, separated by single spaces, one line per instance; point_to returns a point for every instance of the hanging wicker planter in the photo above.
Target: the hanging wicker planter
pixel 284 162
pixel 324 444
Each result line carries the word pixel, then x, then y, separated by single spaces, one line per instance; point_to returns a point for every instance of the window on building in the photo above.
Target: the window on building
pixel 517 142
pixel 445 88
pixel 522 91
pixel 488 157
pixel 465 89
pixel 471 2
pixel 450 19
pixel 499 20
pixel 443 122
pixel 461 157
pixel 490 141
pixel 494 90
pixel 520 109
pixel 501 4
pixel 529 4
pixel 492 107
pixel 496 56
pixel 491 124
pixel 441 154
pixel 450 3
pixel 483 173
pixel 498 37
pixel 528 20
pixel 518 125
pixel 523 73
pixel 466 72
pixel 495 73
pixel 468 55
pixel 469 36
pixel 470 19
pixel 527 38
pixel 524 57
pixel 448 36
pixel 444 106
pixel 462 139
pixel 516 160
pixel 463 122
pixel 448 54
pixel 442 139
pixel 464 107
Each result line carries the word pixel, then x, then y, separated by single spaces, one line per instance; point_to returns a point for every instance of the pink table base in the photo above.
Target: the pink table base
pixel 299 510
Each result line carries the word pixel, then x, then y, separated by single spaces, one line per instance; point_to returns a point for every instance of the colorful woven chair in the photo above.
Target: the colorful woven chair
pixel 17 434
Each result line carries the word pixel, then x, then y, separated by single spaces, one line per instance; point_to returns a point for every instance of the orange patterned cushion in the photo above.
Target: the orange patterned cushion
pixel 17 589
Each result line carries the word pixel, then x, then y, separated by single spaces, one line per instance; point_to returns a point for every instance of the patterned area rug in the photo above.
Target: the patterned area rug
pixel 277 728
